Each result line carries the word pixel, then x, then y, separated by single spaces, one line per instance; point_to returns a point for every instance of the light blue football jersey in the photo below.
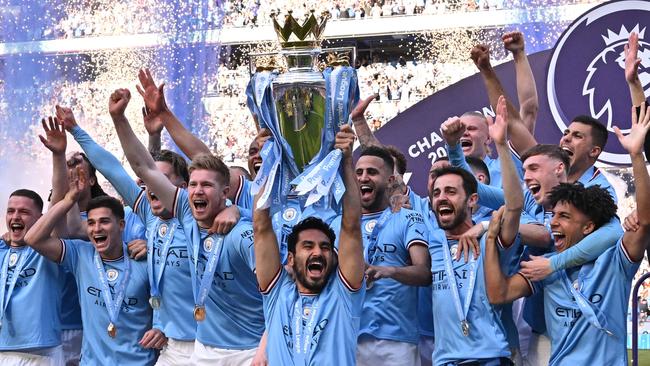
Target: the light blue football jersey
pixel 32 316
pixel 487 337
pixel 331 330
pixel 235 318
pixel 390 307
pixel 422 206
pixel 70 309
pixel 606 283
pixel 244 198
pixel 135 316
pixel 175 316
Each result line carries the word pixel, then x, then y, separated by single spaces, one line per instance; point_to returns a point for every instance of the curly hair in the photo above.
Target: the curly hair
pixel 594 202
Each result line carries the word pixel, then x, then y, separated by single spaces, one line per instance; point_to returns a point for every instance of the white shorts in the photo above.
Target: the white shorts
pixel 425 347
pixel 52 356
pixel 71 341
pixel 176 353
pixel 211 356
pixel 373 352
pixel 539 351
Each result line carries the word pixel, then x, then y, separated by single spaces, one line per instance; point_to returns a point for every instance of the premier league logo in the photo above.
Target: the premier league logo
pixel 586 71
pixel 112 274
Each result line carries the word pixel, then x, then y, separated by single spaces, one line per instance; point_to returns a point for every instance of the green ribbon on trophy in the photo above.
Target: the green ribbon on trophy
pixel 304 109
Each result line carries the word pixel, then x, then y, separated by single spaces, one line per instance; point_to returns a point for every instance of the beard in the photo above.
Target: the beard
pixel 460 217
pixel 300 273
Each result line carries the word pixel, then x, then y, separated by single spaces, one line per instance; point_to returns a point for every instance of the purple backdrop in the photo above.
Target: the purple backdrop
pixel 582 74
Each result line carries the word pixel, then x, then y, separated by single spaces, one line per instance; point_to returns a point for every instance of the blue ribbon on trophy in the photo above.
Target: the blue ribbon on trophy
pixel 303 109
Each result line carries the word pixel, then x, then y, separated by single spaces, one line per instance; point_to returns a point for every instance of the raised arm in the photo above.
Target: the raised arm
pixel 351 262
pixel 141 161
pixel 71 225
pixel 267 251
pixel 156 107
pixel 452 130
pixel 56 141
pixel 500 289
pixel 526 88
pixel 366 137
pixel 522 139
pixel 632 62
pixel 38 237
pixel 636 242
pixel 154 127
pixel 101 159
pixel 514 195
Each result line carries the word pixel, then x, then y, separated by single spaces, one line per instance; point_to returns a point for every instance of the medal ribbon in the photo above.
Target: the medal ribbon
pixel 154 280
pixel 113 306
pixel 592 312
pixel 463 310
pixel 302 347
pixel 374 235
pixel 201 293
pixel 4 299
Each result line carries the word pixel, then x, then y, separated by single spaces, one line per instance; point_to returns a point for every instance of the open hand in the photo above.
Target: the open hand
pixel 65 117
pixel 498 129
pixel 632 60
pixel 633 142
pixel 77 183
pixel 154 96
pixel 55 139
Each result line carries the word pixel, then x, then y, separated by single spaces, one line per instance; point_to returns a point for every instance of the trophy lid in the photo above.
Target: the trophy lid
pixel 294 35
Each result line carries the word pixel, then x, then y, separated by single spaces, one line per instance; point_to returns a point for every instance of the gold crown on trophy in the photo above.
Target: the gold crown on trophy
pixel 294 35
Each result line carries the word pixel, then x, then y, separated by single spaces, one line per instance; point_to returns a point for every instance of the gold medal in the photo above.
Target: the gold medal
pixel 112 330
pixel 199 313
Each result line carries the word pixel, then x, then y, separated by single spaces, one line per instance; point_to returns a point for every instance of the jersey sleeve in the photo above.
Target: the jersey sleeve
pixel 457 158
pixel 590 247
pixel 134 228
pixel 623 261
pixel 351 298
pixel 243 197
pixel 109 166
pixel 70 254
pixel 416 230
pixel 271 294
pixel 182 210
pixel 246 247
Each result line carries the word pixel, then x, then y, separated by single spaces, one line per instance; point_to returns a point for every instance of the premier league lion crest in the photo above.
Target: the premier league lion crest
pixel 586 70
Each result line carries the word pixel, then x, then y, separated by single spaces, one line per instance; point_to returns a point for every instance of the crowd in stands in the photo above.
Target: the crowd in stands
pixel 147 16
